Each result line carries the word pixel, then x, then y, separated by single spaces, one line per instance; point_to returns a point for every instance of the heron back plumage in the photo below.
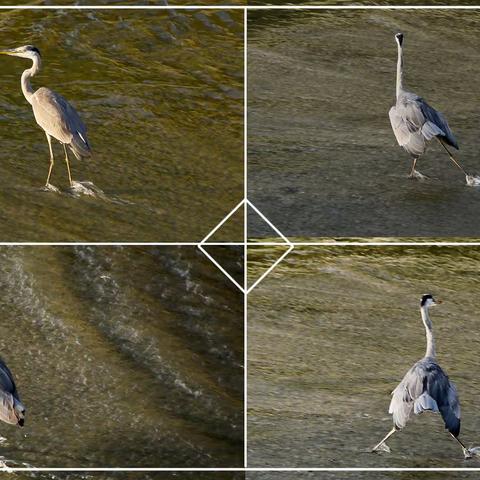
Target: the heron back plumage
pixel 60 120
pixel 426 387
pixel 12 409
pixel 414 122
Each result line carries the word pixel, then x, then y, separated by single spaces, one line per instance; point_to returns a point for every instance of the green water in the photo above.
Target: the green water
pixel 125 357
pixel 161 93
pixel 323 160
pixel 333 330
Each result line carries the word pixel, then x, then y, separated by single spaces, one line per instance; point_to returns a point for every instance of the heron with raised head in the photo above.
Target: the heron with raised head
pixel 425 387
pixel 415 122
pixel 12 409
pixel 52 112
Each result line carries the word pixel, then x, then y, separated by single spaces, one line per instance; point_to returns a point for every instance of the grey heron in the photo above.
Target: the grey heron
pixel 426 387
pixel 52 112
pixel 415 122
pixel 12 409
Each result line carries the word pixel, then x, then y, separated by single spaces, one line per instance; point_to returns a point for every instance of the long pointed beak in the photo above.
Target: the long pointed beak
pixel 10 51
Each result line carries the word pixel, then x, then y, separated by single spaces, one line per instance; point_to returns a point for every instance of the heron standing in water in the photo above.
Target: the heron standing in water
pixel 425 387
pixel 52 112
pixel 12 409
pixel 414 121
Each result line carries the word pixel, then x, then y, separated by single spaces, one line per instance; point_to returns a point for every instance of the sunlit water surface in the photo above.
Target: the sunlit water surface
pixel 161 93
pixel 333 330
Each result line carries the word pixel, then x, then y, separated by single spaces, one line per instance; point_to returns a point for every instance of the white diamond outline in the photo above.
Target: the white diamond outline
pixel 286 242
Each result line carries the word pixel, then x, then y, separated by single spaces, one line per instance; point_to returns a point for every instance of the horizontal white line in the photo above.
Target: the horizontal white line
pixel 240 7
pixel 241 469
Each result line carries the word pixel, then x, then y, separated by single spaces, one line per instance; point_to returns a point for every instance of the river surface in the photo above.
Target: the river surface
pixel 161 93
pixel 123 356
pixel 323 160
pixel 331 333
pixel 360 475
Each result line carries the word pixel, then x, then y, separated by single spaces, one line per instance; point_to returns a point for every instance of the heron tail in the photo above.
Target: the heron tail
pixel 79 146
pixel 423 403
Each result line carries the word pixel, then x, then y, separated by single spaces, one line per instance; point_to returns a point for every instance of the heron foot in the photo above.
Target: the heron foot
pixel 50 188
pixel 381 447
pixel 416 175
pixel 472 180
pixel 471 452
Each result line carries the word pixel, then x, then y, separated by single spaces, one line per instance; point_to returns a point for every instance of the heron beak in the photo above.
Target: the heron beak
pixel 438 302
pixel 11 51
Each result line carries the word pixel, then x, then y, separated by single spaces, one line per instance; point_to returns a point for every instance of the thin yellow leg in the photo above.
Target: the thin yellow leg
pixel 68 165
pixel 52 160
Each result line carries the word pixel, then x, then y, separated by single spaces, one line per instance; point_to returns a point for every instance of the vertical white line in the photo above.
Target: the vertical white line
pixel 245 237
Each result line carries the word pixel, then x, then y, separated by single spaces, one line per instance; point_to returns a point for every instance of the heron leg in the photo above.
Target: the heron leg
pixel 451 156
pixel 384 439
pixel 68 165
pixel 412 171
pixel 466 453
pixel 52 160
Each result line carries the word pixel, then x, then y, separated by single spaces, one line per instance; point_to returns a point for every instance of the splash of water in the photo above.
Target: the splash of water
pixel 472 180
pixel 86 188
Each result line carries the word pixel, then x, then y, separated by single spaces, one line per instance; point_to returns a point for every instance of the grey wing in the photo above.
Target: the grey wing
pixel 407 132
pixel 7 383
pixel 9 400
pixel 425 387
pixel 435 121
pixel 60 120
pixel 445 394
pixel 403 397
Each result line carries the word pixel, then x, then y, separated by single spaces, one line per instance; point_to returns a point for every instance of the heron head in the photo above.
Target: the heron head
pixel 19 413
pixel 399 39
pixel 27 51
pixel 428 301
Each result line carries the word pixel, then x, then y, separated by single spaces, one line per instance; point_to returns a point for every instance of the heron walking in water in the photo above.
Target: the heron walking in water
pixel 11 408
pixel 425 387
pixel 52 112
pixel 415 122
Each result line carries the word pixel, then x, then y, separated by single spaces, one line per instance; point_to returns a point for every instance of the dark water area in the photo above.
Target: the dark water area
pixel 118 475
pixel 360 475
pixel 333 330
pixel 122 475
pixel 323 160
pixel 161 93
pixel 125 357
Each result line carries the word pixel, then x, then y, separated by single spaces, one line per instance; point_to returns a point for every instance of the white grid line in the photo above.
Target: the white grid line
pixel 291 244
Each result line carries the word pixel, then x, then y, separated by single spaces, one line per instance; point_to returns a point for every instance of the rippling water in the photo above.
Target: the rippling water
pixel 359 2
pixel 332 331
pixel 132 475
pixel 162 95
pixel 359 475
pixel 323 160
pixel 123 356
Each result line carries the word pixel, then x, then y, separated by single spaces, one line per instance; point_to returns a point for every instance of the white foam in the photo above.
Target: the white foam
pixel 86 188
pixel 472 180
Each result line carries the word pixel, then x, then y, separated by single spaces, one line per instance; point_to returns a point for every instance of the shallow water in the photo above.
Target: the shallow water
pixel 323 160
pixel 118 475
pixel 359 2
pixel 161 93
pixel 359 475
pixel 125 357
pixel 333 330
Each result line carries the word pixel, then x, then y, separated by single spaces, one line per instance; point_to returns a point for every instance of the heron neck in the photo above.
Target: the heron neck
pixel 429 333
pixel 26 75
pixel 399 70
